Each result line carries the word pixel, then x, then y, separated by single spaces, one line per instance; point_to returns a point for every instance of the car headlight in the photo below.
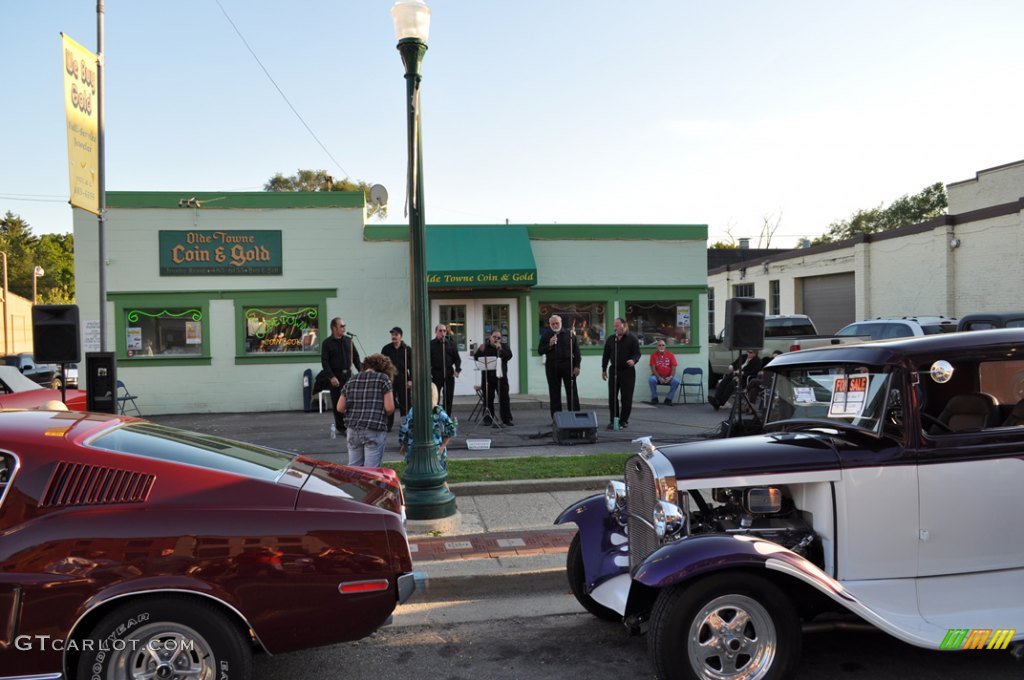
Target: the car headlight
pixel 615 496
pixel 668 519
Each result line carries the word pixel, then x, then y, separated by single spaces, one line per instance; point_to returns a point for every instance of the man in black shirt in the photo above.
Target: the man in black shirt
pixel 445 365
pixel 622 351
pixel 561 363
pixel 496 379
pixel 401 356
pixel 338 356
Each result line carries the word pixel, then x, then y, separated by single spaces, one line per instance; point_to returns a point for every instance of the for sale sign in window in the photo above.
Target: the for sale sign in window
pixel 849 395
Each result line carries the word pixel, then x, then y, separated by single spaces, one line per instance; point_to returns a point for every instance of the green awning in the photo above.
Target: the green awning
pixel 480 257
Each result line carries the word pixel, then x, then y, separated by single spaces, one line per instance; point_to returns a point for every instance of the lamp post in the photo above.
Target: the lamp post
pixel 36 273
pixel 426 483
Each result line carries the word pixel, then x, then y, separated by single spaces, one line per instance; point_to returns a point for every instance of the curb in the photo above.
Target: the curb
pixel 446 588
pixel 530 486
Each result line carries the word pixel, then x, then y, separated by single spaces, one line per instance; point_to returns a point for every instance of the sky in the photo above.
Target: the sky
pixel 724 113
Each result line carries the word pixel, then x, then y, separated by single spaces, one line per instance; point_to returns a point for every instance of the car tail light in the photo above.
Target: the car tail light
pixel 356 587
pixel 795 347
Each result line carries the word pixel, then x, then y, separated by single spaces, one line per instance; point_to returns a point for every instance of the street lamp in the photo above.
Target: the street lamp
pixel 426 483
pixel 36 273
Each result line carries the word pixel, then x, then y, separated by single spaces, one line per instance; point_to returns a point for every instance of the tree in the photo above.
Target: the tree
pixel 928 203
pixel 55 253
pixel 321 180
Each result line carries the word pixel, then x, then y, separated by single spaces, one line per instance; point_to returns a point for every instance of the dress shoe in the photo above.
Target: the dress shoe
pixel 653 402
pixel 623 425
pixel 508 423
pixel 487 421
pixel 668 402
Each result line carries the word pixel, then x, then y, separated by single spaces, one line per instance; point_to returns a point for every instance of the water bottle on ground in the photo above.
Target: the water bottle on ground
pixel 334 431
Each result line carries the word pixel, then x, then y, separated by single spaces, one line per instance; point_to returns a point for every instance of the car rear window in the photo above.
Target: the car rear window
pixel 786 328
pixel 179 446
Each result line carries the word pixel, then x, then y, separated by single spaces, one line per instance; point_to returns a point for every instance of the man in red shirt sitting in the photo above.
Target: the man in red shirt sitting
pixel 663 372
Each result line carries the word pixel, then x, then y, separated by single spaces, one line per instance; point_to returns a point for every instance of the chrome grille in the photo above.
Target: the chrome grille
pixel 641 495
pixel 78 484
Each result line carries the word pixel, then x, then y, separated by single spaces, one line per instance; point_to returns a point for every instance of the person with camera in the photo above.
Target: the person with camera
pixel 747 365
pixel 497 353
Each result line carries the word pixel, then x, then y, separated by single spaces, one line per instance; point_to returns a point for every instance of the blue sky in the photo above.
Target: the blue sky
pixel 539 111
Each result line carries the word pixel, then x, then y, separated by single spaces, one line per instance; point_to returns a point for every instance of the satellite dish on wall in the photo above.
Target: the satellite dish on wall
pixel 378 195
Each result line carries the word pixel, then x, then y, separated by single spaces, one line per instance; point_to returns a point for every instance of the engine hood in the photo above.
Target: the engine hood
pixel 771 458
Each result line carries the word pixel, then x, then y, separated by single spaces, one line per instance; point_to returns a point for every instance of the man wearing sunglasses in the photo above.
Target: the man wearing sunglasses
pixel 337 356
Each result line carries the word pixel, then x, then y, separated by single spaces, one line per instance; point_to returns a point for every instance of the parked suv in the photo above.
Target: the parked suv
pixel 984 321
pixel 47 375
pixel 901 327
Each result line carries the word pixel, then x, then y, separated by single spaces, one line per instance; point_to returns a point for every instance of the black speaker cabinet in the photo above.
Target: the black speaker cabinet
pixel 55 334
pixel 744 323
pixel 100 382
pixel 575 427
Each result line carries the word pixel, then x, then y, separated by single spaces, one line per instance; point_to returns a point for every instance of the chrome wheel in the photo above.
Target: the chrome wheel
pixel 163 651
pixel 732 637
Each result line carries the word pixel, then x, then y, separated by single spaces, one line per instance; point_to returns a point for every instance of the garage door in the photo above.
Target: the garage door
pixel 829 301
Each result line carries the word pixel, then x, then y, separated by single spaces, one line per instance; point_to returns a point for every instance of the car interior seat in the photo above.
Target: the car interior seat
pixel 968 412
pixel 1016 417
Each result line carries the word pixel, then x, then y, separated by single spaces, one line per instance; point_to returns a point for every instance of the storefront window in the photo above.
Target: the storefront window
pixel 585 318
pixel 660 320
pixel 163 332
pixel 454 317
pixel 282 329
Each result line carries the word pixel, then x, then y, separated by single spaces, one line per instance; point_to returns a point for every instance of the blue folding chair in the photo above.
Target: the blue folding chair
pixel 123 397
pixel 693 377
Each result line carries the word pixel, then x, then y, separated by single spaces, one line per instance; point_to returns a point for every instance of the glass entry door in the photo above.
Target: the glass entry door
pixel 470 322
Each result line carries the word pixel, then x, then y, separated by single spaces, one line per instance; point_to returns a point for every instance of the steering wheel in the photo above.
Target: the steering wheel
pixel 935 421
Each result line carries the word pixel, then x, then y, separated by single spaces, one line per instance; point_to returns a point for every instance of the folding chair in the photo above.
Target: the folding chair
pixel 123 397
pixel 690 381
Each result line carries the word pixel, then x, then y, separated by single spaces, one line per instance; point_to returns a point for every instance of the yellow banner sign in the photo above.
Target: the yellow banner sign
pixel 80 104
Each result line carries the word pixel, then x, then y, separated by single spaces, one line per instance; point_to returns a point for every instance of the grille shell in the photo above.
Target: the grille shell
pixel 649 478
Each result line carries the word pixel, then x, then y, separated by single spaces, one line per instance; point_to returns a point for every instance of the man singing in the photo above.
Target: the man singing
pixel 561 363
pixel 445 365
pixel 622 351
pixel 496 379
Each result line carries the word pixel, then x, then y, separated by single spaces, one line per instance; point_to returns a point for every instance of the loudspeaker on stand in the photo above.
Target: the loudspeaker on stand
pixel 744 323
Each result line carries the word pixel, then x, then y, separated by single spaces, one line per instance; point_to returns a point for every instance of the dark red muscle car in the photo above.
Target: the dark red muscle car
pixel 132 550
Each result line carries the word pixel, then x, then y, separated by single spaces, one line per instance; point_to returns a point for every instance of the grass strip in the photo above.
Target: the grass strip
pixel 531 467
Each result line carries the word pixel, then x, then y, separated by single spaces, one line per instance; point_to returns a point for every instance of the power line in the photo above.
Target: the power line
pixel 279 90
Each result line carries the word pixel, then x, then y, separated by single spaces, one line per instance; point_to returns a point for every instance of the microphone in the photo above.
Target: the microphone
pixel 351 335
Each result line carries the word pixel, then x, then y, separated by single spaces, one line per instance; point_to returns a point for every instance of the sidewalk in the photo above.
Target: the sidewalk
pixel 506 541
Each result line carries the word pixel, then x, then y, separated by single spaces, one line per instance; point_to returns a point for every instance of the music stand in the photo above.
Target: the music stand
pixel 485 365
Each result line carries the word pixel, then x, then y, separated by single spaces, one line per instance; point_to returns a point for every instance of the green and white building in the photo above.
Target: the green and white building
pixel 217 302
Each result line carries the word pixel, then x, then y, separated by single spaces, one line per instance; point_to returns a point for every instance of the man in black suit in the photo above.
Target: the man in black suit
pixel 496 379
pixel 622 352
pixel 338 356
pixel 445 365
pixel 561 351
pixel 401 356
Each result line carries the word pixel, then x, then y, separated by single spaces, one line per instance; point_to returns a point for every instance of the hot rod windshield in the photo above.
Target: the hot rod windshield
pixel 843 395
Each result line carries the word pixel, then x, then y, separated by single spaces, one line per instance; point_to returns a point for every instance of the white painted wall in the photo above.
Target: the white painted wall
pixel 917 273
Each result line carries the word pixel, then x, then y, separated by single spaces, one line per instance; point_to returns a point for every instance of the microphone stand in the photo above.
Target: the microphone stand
pixel 574 397
pixel 615 383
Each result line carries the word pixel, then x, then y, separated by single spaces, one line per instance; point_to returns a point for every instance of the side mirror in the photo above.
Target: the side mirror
pixel 941 371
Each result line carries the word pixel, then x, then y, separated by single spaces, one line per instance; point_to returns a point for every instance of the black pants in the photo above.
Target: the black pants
pixel 339 418
pixel 559 374
pixel 401 392
pixel 446 388
pixel 620 393
pixel 491 384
